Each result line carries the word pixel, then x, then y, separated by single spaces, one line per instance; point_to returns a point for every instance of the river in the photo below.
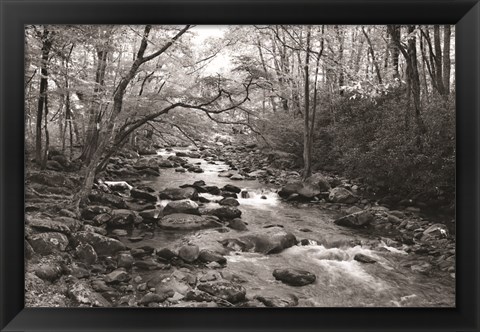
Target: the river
pixel 394 280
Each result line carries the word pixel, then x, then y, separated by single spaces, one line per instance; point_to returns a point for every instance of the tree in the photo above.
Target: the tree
pixel 102 46
pixel 446 58
pixel 46 39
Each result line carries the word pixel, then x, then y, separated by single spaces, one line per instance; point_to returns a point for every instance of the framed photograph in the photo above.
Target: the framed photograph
pixel 239 165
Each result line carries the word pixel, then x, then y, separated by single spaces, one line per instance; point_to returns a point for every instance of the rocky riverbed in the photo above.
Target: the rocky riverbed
pixel 231 226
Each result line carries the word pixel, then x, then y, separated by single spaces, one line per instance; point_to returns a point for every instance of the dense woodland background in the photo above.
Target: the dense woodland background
pixel 370 102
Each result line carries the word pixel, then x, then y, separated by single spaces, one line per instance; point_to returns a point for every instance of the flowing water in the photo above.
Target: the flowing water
pixel 341 281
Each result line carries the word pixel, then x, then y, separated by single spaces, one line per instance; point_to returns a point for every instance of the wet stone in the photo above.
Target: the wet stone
pixel 117 276
pixel 48 225
pixel 48 271
pixel 166 254
pixel 294 277
pixel 153 298
pixel 48 243
pixel 277 301
pixel 231 188
pixel 224 290
pixel 210 256
pixel 364 259
pixel 189 253
pixel 125 260
pixel 86 253
pixel 237 224
pixel 229 201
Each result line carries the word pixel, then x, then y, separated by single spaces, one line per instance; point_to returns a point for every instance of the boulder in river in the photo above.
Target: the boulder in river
pixel 176 194
pixel 357 219
pixel 224 290
pixel 121 218
pixel 311 187
pixel 278 301
pixel 166 254
pixel 142 194
pixel 269 241
pixel 364 258
pixel 237 224
pixel 342 195
pixel 224 212
pixel 103 245
pixel 294 277
pixel 226 174
pixel 229 201
pixel 291 188
pixel 181 154
pixel 144 163
pixel 189 253
pixel 258 173
pixel 231 188
pixel 153 298
pixel 166 164
pixel 182 206
pixel 150 214
pixel 178 160
pixel 226 194
pixel 213 190
pixel 208 256
pixel 182 221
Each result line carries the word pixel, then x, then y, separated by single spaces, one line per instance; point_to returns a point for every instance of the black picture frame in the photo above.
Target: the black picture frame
pixel 15 13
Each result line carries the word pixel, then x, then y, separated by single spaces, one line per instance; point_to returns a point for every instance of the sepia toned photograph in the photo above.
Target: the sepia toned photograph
pixel 240 166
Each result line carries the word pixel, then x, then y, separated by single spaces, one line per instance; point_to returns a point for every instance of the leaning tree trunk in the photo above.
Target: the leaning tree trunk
pixel 438 59
pixel 106 135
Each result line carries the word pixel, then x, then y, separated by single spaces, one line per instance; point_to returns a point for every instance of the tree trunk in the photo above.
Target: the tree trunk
pixel 341 75
pixel 46 46
pixel 394 32
pixel 412 69
pixel 438 59
pixel 446 58
pixel 47 136
pixel 413 79
pixel 264 66
pixel 68 116
pixel 307 146
pixel 372 53
pixel 95 115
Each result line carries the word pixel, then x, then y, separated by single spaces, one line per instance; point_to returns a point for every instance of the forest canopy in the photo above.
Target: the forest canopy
pixel 375 103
